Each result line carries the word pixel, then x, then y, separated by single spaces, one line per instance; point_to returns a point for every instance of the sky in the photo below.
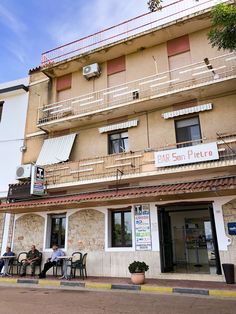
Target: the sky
pixel 30 27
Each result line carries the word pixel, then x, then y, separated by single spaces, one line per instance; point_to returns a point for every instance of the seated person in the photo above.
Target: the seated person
pixel 32 258
pixel 7 253
pixel 52 261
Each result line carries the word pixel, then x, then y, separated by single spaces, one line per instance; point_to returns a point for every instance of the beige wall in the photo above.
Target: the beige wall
pixel 161 133
pixel 221 119
pixel 199 39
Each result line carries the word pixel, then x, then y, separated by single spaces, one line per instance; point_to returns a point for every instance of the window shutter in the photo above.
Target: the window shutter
pixel 116 65
pixel 178 45
pixel 64 82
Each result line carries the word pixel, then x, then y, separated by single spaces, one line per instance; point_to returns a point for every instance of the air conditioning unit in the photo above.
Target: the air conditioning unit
pixel 23 172
pixel 91 70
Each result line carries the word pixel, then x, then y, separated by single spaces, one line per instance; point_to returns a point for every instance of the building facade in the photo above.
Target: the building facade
pixel 13 103
pixel 137 137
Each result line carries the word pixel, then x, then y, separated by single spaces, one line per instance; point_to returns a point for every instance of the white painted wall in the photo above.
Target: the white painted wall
pixel 12 128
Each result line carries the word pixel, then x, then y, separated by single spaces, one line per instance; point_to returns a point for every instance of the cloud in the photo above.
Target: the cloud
pixel 81 18
pixel 11 21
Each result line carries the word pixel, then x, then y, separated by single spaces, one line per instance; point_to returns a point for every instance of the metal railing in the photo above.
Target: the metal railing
pixel 189 76
pixel 131 164
pixel 171 11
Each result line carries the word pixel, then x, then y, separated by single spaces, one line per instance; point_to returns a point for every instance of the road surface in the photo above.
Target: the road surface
pixel 57 301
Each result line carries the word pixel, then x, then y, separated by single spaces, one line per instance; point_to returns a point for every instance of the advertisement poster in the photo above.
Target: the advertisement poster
pixel 37 181
pixel 143 241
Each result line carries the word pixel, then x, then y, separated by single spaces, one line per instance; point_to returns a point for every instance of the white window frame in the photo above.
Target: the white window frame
pixel 108 235
pixel 47 235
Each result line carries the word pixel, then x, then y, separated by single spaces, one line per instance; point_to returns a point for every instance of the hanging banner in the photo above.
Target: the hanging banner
pixel 37 181
pixel 186 155
pixel 143 240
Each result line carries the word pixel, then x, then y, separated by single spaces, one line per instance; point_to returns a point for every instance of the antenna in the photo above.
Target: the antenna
pixel 155 61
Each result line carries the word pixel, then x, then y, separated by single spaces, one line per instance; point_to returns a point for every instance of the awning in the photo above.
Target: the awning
pixel 119 126
pixel 55 150
pixel 175 191
pixel 181 112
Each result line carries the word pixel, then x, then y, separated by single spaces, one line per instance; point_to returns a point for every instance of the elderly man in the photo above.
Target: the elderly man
pixel 7 253
pixel 32 258
pixel 52 261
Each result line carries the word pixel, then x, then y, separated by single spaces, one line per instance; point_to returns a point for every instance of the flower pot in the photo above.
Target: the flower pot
pixel 138 278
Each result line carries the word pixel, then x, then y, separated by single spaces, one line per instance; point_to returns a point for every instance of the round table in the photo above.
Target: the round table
pixel 66 263
pixel 6 264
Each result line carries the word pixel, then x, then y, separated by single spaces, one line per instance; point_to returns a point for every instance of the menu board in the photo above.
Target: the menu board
pixel 143 241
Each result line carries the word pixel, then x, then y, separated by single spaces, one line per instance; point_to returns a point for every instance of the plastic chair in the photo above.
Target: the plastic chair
pixel 37 263
pixel 18 262
pixel 76 260
pixel 81 265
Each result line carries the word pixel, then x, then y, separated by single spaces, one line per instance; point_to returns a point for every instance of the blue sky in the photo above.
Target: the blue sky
pixel 30 27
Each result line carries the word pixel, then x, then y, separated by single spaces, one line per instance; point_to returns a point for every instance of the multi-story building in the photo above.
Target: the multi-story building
pixel 135 128
pixel 13 109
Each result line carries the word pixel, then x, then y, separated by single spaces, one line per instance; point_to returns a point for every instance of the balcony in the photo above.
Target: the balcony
pixel 131 166
pixel 172 11
pixel 195 80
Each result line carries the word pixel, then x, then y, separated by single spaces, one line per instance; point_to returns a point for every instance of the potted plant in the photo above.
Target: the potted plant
pixel 137 270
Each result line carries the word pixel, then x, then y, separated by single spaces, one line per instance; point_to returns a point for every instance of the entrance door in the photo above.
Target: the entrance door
pixel 165 237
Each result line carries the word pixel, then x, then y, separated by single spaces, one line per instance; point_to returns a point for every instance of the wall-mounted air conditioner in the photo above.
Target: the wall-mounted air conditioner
pixel 92 70
pixel 23 172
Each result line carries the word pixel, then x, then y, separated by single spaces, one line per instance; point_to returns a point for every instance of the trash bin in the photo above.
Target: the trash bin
pixel 229 273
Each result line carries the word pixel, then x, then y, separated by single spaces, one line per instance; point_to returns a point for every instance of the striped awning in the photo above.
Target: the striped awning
pixel 119 126
pixel 55 150
pixel 181 112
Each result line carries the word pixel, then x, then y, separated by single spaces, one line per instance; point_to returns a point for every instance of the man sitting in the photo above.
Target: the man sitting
pixel 52 261
pixel 7 253
pixel 32 258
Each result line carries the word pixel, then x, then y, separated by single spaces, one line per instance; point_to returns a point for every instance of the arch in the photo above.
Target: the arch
pixel 86 231
pixel 29 229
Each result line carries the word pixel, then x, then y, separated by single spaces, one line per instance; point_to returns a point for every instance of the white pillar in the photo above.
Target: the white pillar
pixel 5 233
pixel 154 228
pixel 223 240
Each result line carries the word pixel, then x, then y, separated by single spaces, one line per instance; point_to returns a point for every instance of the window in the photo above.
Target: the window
pixel 121 228
pixel 188 132
pixel 118 143
pixel 1 109
pixel 56 230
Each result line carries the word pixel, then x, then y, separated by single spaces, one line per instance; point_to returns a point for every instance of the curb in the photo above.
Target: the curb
pixel 127 287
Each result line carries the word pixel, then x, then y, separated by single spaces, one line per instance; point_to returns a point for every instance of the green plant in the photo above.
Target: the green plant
pixel 138 267
pixel 223 32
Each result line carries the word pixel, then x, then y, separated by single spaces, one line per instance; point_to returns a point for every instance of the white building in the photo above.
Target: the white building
pixel 13 110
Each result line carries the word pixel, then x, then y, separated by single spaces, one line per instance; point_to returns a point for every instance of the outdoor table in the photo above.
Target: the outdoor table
pixel 66 261
pixel 6 264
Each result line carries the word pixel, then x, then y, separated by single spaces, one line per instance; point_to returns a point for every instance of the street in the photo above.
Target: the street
pixel 57 301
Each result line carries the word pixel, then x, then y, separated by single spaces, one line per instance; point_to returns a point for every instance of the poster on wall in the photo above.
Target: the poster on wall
pixel 143 241
pixel 37 181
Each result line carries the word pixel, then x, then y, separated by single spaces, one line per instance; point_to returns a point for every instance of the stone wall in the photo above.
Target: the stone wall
pixel 86 231
pixel 229 214
pixel 29 229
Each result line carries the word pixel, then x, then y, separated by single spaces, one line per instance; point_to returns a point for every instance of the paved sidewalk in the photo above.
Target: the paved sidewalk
pixel 207 288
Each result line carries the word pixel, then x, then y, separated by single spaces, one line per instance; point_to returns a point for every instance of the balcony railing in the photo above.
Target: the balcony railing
pixel 187 77
pixel 132 164
pixel 171 11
